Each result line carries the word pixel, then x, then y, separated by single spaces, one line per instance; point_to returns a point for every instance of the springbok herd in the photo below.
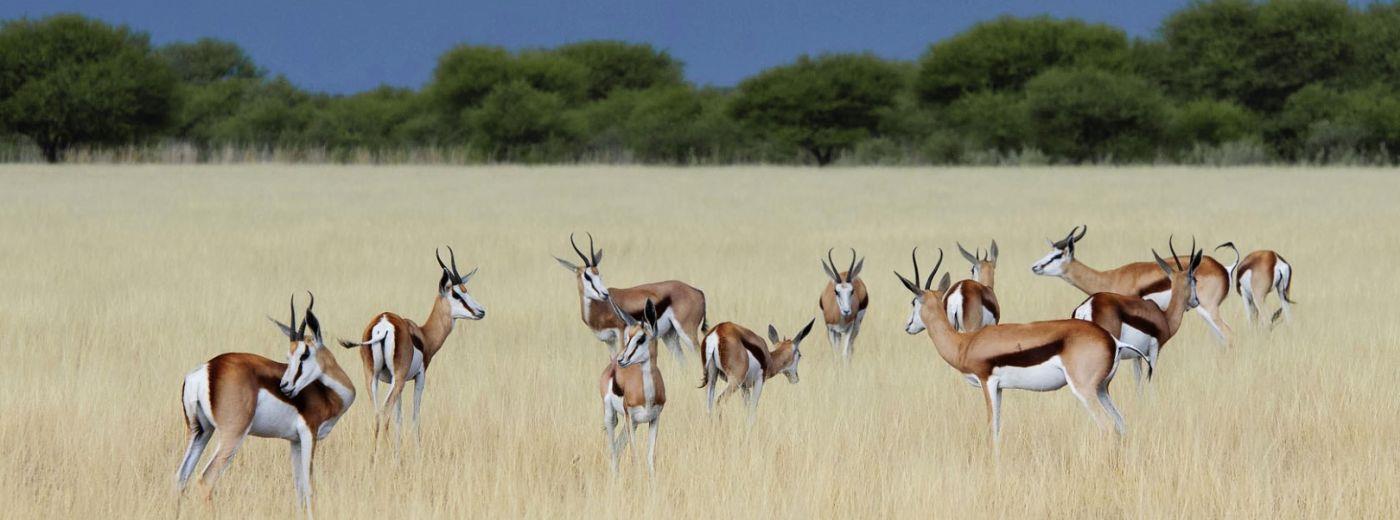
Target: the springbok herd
pixel 1131 313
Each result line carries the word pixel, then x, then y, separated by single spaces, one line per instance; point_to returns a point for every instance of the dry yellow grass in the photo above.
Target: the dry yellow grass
pixel 118 280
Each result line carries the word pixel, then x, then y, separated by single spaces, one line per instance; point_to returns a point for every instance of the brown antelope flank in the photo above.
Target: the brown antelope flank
pixel 1141 279
pixel 236 395
pixel 971 303
pixel 1040 356
pixel 631 386
pixel 396 350
pixel 681 307
pixel 843 303
pixel 1141 323
pixel 1258 273
pixel 737 355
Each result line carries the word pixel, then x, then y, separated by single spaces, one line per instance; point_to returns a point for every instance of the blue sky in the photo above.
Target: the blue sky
pixel 352 45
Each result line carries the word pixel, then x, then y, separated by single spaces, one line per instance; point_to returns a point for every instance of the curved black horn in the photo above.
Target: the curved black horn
pixel 1067 240
pixel 915 256
pixel 310 319
pixel 1084 228
pixel 592 253
pixel 851 270
pixel 928 284
pixel 586 261
pixel 453 255
pixel 438 253
pixel 292 305
pixel 834 273
pixel 1171 247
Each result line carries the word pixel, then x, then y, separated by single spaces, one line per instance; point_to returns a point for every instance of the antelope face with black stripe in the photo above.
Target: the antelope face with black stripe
pixel 303 355
pixel 590 282
pixel 1061 254
pixel 1182 276
pixel 638 337
pixel 453 288
pixel 843 284
pixel 928 302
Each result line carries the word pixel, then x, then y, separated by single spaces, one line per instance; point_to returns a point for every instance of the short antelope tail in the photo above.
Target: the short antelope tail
pixel 372 341
pixel 1231 267
pixel 707 359
pixel 1151 367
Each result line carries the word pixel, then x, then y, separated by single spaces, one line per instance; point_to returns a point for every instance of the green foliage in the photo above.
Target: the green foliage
pixel 1087 115
pixel 516 115
pixel 66 80
pixel 822 105
pixel 1324 124
pixel 467 75
pixel 1378 45
pixel 208 60
pixel 1257 54
pixel 995 121
pixel 1005 53
pixel 1211 123
pixel 611 65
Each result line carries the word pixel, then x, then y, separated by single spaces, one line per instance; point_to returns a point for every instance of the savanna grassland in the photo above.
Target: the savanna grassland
pixel 117 280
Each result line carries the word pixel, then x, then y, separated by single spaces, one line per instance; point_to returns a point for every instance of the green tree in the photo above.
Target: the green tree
pixel 515 115
pixel 370 120
pixel 1257 54
pixel 613 65
pixel 1378 45
pixel 664 125
pixel 1005 53
pixel 466 75
pixel 67 80
pixel 992 120
pixel 822 105
pixel 1089 114
pixel 208 60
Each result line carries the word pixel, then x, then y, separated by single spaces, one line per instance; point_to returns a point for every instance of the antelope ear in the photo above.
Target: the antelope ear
pixel 971 258
pixel 773 335
pixel 650 314
pixel 992 255
pixel 908 284
pixel 286 331
pixel 830 273
pixel 1161 263
pixel 597 258
pixel 470 275
pixel 851 277
pixel 315 326
pixel 803 334
pixel 944 283
pixel 1196 260
pixel 567 265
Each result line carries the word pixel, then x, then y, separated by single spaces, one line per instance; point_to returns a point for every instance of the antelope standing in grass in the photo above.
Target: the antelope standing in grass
pixel 1258 273
pixel 236 395
pixel 631 386
pixel 681 307
pixel 1141 279
pixel 1141 323
pixel 1040 356
pixel 396 350
pixel 843 304
pixel 735 354
pixel 971 304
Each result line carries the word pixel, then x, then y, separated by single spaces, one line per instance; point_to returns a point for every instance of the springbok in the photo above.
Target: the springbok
pixel 397 350
pixel 681 307
pixel 1258 273
pixel 1141 323
pixel 235 395
pixel 843 304
pixel 1040 356
pixel 1141 279
pixel 631 385
pixel 735 354
pixel 971 303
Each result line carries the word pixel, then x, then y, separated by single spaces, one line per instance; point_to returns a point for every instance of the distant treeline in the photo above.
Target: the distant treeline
pixel 1223 82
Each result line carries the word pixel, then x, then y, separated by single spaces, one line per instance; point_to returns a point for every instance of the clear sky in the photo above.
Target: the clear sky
pixel 344 46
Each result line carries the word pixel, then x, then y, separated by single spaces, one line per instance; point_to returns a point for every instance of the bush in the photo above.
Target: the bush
pixel 1003 54
pixel 67 80
pixel 992 120
pixel 1211 123
pixel 208 60
pixel 1091 115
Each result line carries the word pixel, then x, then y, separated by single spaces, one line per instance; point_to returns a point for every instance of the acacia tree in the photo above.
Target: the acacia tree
pixel 67 80
pixel 822 105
